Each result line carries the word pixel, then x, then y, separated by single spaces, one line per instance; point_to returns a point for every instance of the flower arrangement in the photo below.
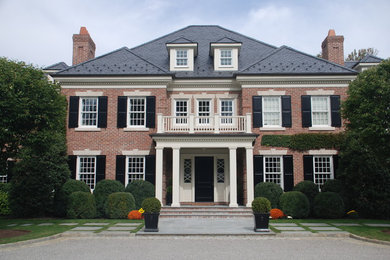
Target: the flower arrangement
pixel 276 214
pixel 352 214
pixel 135 214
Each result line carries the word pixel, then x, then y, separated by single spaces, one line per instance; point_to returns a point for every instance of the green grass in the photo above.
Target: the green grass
pixel 363 231
pixel 45 231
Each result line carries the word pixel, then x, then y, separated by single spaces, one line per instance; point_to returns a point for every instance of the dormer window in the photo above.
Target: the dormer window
pixel 181 58
pixel 182 53
pixel 225 53
pixel 226 58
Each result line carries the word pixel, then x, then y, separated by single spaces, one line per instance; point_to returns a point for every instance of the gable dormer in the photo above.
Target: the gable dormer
pixel 182 53
pixel 225 52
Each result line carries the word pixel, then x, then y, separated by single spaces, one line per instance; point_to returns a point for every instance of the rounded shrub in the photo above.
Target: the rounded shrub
pixel 141 190
pixel 81 205
pixel 295 204
pixel 151 205
pixel 333 185
pixel 261 205
pixel 6 187
pixel 119 204
pixel 62 196
pixel 4 204
pixel 269 190
pixel 101 192
pixel 309 188
pixel 328 205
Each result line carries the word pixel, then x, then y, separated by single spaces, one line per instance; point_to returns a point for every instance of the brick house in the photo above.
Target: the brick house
pixel 189 110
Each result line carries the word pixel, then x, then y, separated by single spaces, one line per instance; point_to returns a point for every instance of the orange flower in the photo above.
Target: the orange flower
pixel 134 214
pixel 276 213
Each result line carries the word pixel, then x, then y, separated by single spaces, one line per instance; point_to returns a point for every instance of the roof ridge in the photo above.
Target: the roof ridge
pixel 265 57
pixel 55 64
pixel 129 50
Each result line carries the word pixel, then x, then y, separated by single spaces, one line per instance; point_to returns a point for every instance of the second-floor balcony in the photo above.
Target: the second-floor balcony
pixel 204 124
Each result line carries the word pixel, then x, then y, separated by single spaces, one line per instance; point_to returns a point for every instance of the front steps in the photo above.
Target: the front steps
pixel 205 212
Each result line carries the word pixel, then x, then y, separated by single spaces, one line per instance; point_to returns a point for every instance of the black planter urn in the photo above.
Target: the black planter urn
pixel 261 222
pixel 151 222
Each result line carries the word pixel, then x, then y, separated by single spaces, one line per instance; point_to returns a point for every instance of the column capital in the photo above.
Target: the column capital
pixel 159 148
pixel 232 147
pixel 249 147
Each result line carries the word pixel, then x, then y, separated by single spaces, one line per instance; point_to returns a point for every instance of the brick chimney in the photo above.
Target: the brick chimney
pixel 333 48
pixel 83 47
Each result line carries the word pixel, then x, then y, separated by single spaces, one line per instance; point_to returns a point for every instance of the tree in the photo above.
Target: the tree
pixel 32 131
pixel 365 161
pixel 361 53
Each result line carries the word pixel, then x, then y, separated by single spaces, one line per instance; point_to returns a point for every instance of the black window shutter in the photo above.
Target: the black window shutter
pixel 102 113
pixel 72 163
pixel 288 172
pixel 73 112
pixel 150 168
pixel 335 164
pixel 100 168
pixel 306 111
pixel 257 111
pixel 335 111
pixel 150 111
pixel 308 168
pixel 286 111
pixel 258 169
pixel 120 168
pixel 122 112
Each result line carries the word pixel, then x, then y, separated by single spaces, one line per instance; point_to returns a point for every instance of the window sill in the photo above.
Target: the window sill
pixel 87 129
pixel 322 128
pixel 136 129
pixel 273 128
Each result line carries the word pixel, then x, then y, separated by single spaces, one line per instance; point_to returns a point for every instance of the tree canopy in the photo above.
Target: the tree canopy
pixel 361 53
pixel 365 160
pixel 32 132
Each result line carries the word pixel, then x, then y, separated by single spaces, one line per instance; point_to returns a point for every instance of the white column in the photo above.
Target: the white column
pixel 175 177
pixel 159 173
pixel 192 123
pixel 160 123
pixel 216 123
pixel 249 176
pixel 248 123
pixel 233 176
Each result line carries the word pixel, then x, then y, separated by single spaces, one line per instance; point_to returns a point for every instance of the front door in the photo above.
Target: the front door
pixel 204 179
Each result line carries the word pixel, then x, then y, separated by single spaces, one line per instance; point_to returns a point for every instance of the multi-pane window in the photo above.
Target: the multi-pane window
pixel 181 107
pixel 226 57
pixel 273 169
pixel 187 170
pixel 271 111
pixel 89 111
pixel 323 169
pixel 135 168
pixel 204 111
pixel 320 110
pixel 227 111
pixel 181 58
pixel 87 170
pixel 137 109
pixel 220 170
pixel 3 178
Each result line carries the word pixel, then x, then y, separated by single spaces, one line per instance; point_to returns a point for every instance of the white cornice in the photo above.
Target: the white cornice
pixel 204 85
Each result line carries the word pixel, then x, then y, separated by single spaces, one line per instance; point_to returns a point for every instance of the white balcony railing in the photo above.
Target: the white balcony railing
pixel 210 124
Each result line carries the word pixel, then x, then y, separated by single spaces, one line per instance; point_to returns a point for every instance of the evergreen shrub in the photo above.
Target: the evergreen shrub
pixel 261 205
pixel 4 204
pixel 101 192
pixel 269 190
pixel 295 204
pixel 141 190
pixel 81 205
pixel 151 205
pixel 119 204
pixel 329 205
pixel 62 196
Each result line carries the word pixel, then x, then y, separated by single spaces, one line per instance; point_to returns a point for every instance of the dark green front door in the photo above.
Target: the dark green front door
pixel 204 179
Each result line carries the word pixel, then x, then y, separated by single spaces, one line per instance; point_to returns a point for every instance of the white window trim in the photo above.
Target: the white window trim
pixel 273 127
pixel 331 167
pixel 231 58
pixel 88 127
pixel 187 58
pixel 127 167
pixel 321 127
pixel 175 111
pixel 211 110
pixel 135 127
pixel 78 168
pixel 233 109
pixel 281 169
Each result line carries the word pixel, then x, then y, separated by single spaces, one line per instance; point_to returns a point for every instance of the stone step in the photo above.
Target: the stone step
pixel 205 211
pixel 205 216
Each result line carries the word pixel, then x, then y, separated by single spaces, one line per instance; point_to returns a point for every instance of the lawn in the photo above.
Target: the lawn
pixel 37 231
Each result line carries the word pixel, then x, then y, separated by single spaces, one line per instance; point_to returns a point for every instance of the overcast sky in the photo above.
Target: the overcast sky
pixel 40 31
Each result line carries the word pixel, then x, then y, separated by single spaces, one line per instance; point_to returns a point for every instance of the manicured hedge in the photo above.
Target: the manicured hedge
pixel 269 190
pixel 261 205
pixel 310 189
pixel 333 185
pixel 141 190
pixel 102 190
pixel 329 205
pixel 295 204
pixel 151 205
pixel 119 204
pixel 81 205
pixel 4 204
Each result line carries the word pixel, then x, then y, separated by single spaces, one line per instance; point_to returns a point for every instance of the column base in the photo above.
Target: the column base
pixel 175 205
pixel 233 205
pixel 249 204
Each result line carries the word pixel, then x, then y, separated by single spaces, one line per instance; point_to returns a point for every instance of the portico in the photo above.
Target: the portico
pixel 204 167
